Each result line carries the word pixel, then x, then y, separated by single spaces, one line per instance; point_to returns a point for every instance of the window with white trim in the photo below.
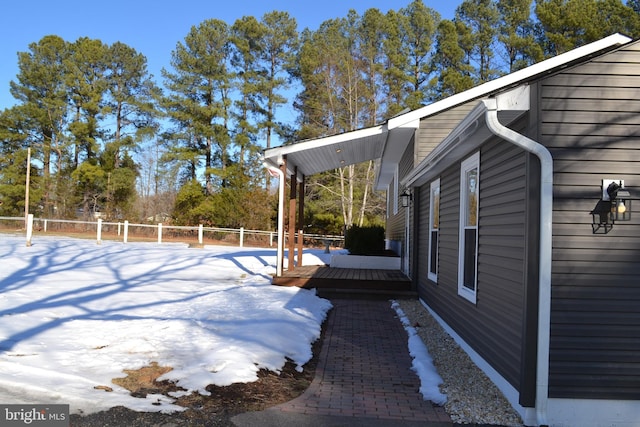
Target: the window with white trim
pixel 434 228
pixel 468 244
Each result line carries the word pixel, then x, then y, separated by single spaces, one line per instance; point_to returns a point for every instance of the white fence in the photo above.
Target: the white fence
pixel 126 231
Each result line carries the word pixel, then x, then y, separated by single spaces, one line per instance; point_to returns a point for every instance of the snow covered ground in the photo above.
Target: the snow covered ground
pixel 74 315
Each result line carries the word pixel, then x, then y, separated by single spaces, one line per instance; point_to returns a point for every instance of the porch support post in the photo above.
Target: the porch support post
pixel 292 218
pixel 301 221
pixel 282 184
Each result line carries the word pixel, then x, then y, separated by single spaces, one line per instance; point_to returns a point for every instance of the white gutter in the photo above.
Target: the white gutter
pixel 280 249
pixel 546 212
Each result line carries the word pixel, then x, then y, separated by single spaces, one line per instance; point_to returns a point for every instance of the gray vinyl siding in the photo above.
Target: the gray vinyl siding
pixel 407 162
pixel 422 240
pixel 442 297
pixel 436 128
pixel 494 325
pixel 590 121
pixel 395 222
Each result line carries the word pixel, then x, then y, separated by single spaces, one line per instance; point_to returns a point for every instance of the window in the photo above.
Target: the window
pixel 468 244
pixel 434 227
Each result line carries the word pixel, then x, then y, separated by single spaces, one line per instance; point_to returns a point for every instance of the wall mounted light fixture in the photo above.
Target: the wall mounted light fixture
pixel 620 200
pixel 405 198
pixel 614 205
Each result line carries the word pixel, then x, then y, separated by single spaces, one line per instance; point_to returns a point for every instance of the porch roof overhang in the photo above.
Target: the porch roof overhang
pixel 318 155
pixel 313 156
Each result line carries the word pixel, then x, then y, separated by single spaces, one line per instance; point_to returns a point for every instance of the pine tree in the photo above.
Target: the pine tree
pixel 247 34
pixel 517 34
pixel 199 101
pixel 481 18
pixel 41 92
pixel 86 81
pixel 13 164
pixel 372 32
pixel 130 102
pixel 453 72
pixel 567 24
pixel 279 45
pixel 420 28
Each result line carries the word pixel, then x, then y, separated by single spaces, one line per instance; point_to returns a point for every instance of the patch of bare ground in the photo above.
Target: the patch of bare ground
pixel 216 409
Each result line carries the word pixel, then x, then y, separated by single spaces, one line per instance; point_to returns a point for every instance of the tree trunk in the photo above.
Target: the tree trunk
pixel 367 184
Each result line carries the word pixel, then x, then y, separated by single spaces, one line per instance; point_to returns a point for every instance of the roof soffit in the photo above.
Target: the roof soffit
pixel 322 154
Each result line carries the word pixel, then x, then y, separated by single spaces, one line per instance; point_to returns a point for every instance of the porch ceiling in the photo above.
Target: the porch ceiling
pixel 332 152
pixel 319 155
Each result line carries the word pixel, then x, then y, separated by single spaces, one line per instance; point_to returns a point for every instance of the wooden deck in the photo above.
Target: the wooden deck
pixel 327 280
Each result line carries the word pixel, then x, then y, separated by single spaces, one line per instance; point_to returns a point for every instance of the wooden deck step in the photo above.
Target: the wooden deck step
pixel 348 281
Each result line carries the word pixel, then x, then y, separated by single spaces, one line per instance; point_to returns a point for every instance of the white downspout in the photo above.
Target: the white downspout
pixel 280 247
pixel 546 212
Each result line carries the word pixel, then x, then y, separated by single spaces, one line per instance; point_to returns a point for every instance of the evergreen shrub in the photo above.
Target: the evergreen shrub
pixel 364 240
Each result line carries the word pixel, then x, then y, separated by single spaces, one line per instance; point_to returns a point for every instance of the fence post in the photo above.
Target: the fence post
pixel 29 229
pixel 200 234
pixel 159 232
pixel 99 232
pixel 45 225
pixel 270 239
pixel 241 237
pixel 126 231
pixel 119 228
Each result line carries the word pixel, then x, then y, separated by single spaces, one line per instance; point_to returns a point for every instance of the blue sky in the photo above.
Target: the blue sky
pixel 153 28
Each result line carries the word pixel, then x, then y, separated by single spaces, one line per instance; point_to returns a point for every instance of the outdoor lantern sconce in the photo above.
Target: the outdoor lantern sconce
pixel 405 198
pixel 615 205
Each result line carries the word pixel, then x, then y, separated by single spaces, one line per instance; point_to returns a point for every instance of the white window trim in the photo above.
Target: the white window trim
pixel 396 193
pixel 432 276
pixel 472 162
pixel 389 197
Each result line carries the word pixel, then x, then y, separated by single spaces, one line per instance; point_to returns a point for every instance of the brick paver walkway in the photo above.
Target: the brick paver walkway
pixel 364 369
